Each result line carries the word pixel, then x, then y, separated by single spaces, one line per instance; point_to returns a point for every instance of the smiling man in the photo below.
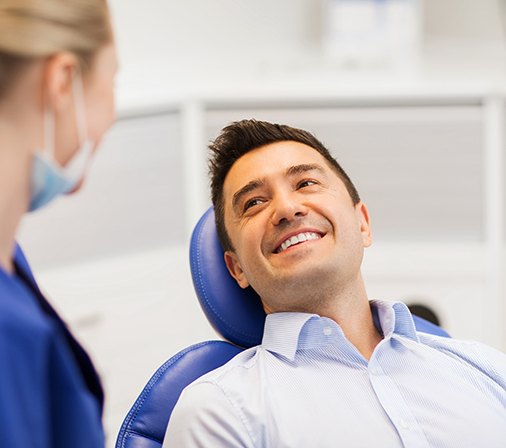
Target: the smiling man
pixel 334 368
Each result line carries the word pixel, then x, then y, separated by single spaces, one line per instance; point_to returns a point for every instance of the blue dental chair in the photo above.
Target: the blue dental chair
pixel 234 313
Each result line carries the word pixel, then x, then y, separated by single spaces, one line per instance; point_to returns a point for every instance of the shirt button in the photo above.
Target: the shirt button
pixel 327 331
pixel 403 424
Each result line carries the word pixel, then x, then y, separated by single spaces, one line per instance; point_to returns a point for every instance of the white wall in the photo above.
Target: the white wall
pixel 198 32
pixel 204 32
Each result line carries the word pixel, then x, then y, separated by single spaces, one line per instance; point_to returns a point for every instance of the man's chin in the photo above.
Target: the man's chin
pixel 304 279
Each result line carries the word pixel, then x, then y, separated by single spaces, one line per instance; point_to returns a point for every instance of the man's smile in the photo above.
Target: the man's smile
pixel 295 238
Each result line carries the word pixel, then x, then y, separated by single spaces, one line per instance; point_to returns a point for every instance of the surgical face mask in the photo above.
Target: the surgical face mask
pixel 48 178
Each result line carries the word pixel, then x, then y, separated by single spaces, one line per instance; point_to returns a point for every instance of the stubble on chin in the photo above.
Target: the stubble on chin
pixel 308 293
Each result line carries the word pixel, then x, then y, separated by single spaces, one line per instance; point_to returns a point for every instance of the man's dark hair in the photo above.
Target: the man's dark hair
pixel 243 136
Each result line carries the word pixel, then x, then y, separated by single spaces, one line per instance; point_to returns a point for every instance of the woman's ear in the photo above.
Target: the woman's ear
pixel 59 72
pixel 235 269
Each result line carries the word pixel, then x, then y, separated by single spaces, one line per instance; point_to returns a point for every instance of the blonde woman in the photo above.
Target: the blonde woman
pixel 57 66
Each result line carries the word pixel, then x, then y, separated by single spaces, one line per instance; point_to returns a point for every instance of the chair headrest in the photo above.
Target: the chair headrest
pixel 235 313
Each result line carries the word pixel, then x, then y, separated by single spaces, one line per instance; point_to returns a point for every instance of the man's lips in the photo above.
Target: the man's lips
pixel 297 237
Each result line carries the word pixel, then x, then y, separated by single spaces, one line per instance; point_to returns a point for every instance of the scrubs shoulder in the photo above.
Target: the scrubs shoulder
pixel 51 396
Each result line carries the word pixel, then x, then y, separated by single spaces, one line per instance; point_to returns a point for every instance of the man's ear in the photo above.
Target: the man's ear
pixel 235 269
pixel 365 223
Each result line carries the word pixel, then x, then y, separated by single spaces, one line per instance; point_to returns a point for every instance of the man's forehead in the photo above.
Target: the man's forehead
pixel 275 158
pixel 255 168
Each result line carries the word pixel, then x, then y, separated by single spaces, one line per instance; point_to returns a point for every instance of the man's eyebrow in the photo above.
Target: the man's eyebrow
pixel 250 186
pixel 257 183
pixel 304 168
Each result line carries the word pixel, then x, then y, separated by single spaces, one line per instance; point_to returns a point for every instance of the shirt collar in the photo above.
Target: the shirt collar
pixel 394 318
pixel 286 332
pixel 282 331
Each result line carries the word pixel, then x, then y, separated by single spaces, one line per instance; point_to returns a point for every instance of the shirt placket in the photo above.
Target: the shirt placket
pixel 392 401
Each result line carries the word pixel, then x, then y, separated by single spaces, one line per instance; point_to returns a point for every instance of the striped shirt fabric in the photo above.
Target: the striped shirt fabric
pixel 308 386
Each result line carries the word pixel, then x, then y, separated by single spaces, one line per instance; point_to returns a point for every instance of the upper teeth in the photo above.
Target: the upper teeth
pixel 304 236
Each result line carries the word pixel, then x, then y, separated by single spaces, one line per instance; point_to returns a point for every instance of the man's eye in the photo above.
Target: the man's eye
pixel 252 203
pixel 306 183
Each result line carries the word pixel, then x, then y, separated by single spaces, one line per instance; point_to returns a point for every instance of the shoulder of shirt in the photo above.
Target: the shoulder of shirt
pixel 23 323
pixel 482 357
pixel 452 343
pixel 19 317
pixel 240 362
pixel 25 334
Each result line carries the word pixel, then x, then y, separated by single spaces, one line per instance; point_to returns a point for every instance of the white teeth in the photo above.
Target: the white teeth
pixel 301 237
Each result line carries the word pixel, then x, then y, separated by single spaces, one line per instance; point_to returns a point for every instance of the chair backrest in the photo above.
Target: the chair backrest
pixel 235 313
pixel 145 424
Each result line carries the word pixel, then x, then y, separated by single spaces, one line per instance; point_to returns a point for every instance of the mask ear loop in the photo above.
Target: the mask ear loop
pixel 78 165
pixel 48 124
pixel 78 90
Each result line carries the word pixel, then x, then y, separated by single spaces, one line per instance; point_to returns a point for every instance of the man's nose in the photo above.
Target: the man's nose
pixel 287 206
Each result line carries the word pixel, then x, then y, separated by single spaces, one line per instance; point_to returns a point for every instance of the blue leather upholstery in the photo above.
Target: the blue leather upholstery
pixel 145 424
pixel 235 313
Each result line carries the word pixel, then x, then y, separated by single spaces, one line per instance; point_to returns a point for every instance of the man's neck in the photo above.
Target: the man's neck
pixel 352 311
pixel 358 326
pixel 349 307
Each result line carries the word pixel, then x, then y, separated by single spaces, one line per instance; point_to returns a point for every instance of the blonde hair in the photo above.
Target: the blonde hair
pixel 37 29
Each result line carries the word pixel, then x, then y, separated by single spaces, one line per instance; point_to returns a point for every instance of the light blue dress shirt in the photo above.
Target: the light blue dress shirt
pixel 308 386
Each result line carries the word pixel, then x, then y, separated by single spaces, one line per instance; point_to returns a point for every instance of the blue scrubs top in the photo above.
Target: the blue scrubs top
pixel 50 393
